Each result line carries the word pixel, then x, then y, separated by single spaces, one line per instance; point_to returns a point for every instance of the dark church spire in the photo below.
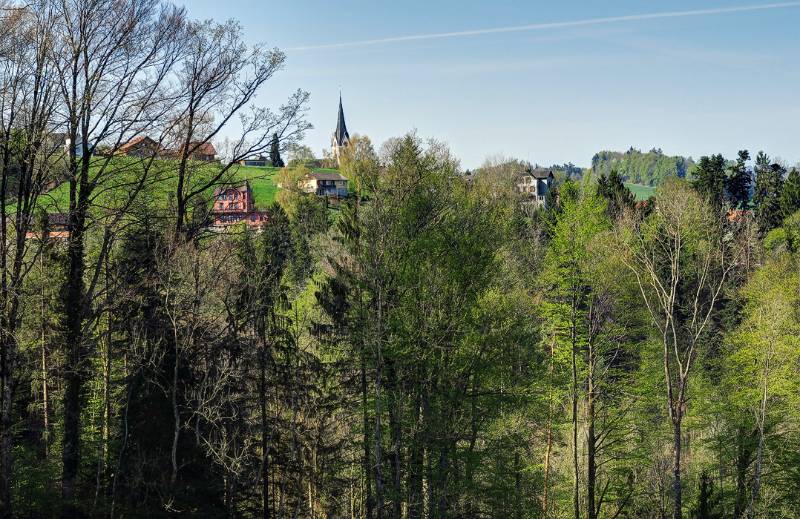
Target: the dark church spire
pixel 341 136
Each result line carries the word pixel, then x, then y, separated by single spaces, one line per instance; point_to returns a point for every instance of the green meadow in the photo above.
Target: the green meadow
pixel 641 192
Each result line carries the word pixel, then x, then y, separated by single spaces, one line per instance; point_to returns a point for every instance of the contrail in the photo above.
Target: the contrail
pixel 553 25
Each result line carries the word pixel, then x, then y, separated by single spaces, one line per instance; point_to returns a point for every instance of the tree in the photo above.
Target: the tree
pixel 709 180
pixel 300 154
pixel 28 161
pixel 766 197
pixel 681 260
pixel 761 370
pixel 217 80
pixel 618 197
pixel 739 182
pixel 275 152
pixel 790 194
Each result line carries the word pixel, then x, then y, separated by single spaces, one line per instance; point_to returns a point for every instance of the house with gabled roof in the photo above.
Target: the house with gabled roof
pixel 324 183
pixel 236 204
pixel 534 184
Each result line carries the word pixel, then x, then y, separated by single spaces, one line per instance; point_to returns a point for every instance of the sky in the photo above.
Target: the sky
pixel 543 81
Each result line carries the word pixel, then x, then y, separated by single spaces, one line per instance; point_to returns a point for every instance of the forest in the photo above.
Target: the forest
pixel 637 167
pixel 433 346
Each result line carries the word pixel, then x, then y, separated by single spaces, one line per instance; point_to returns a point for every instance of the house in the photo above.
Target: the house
pixel 340 137
pixel 324 184
pixel 142 147
pixel 57 227
pixel 203 152
pixel 534 184
pixel 235 204
pixel 258 162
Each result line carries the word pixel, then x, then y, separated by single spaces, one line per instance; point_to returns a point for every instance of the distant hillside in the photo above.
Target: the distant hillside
pixel 648 169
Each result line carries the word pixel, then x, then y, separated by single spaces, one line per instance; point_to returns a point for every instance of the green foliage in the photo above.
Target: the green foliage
pixel 790 194
pixel 275 152
pixel 618 197
pixel 739 182
pixel 709 179
pixel 635 167
pixel 767 195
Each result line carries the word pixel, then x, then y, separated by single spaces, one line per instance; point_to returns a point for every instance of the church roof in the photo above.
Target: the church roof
pixel 340 135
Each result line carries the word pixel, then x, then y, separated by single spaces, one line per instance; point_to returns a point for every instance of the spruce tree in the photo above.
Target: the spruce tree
pixel 275 152
pixel 790 194
pixel 769 183
pixel 739 182
pixel 616 194
pixel 710 179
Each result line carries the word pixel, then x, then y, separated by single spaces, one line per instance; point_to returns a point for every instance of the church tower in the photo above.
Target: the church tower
pixel 340 137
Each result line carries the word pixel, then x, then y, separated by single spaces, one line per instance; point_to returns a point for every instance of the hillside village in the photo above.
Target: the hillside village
pixel 201 317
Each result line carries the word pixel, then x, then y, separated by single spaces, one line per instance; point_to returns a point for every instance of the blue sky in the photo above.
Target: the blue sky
pixel 706 83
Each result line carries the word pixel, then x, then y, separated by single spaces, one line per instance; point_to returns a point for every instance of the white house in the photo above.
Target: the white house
pixel 324 184
pixel 534 185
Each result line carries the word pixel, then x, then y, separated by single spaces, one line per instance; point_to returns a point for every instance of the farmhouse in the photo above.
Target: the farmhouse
pixel 324 184
pixel 203 152
pixel 534 185
pixel 142 147
pixel 235 204
pixel 259 161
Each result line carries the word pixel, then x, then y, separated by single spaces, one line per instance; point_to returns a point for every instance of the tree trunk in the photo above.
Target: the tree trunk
pixel 74 369
pixel 576 469
pixel 676 465
pixel 367 456
pixel 762 416
pixel 591 441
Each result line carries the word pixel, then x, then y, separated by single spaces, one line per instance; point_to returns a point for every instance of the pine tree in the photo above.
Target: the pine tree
pixel 739 182
pixel 790 194
pixel 275 152
pixel 710 179
pixel 616 194
pixel 769 183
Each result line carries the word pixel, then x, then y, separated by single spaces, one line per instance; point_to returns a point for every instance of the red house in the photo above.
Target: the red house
pixel 235 204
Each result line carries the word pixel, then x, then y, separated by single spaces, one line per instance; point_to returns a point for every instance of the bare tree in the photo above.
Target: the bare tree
pixel 26 164
pixel 112 60
pixel 220 78
pixel 681 259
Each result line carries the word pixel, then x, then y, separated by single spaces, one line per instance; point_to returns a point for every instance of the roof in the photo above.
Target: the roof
pixel 205 148
pixel 141 139
pixel 325 176
pixel 541 173
pixel 242 188
pixel 340 135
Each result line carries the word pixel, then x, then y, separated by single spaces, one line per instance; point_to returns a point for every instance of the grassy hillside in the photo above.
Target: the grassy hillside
pixel 641 192
pixel 163 183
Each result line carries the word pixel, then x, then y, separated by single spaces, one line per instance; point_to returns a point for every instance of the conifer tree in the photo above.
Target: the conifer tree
pixel 790 194
pixel 275 152
pixel 739 182
pixel 618 197
pixel 710 179
pixel 769 183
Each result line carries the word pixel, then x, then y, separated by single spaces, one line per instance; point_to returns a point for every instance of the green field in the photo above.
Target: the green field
pixel 641 192
pixel 163 183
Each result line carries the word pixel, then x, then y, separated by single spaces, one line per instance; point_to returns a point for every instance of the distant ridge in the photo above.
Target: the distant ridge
pixel 645 168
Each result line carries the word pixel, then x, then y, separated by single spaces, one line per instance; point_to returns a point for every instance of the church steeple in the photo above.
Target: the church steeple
pixel 340 137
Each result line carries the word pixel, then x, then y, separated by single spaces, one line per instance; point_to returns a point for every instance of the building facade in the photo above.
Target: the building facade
pixel 233 205
pixel 534 184
pixel 325 184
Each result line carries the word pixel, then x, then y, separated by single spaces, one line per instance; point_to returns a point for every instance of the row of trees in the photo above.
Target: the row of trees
pixel 76 78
